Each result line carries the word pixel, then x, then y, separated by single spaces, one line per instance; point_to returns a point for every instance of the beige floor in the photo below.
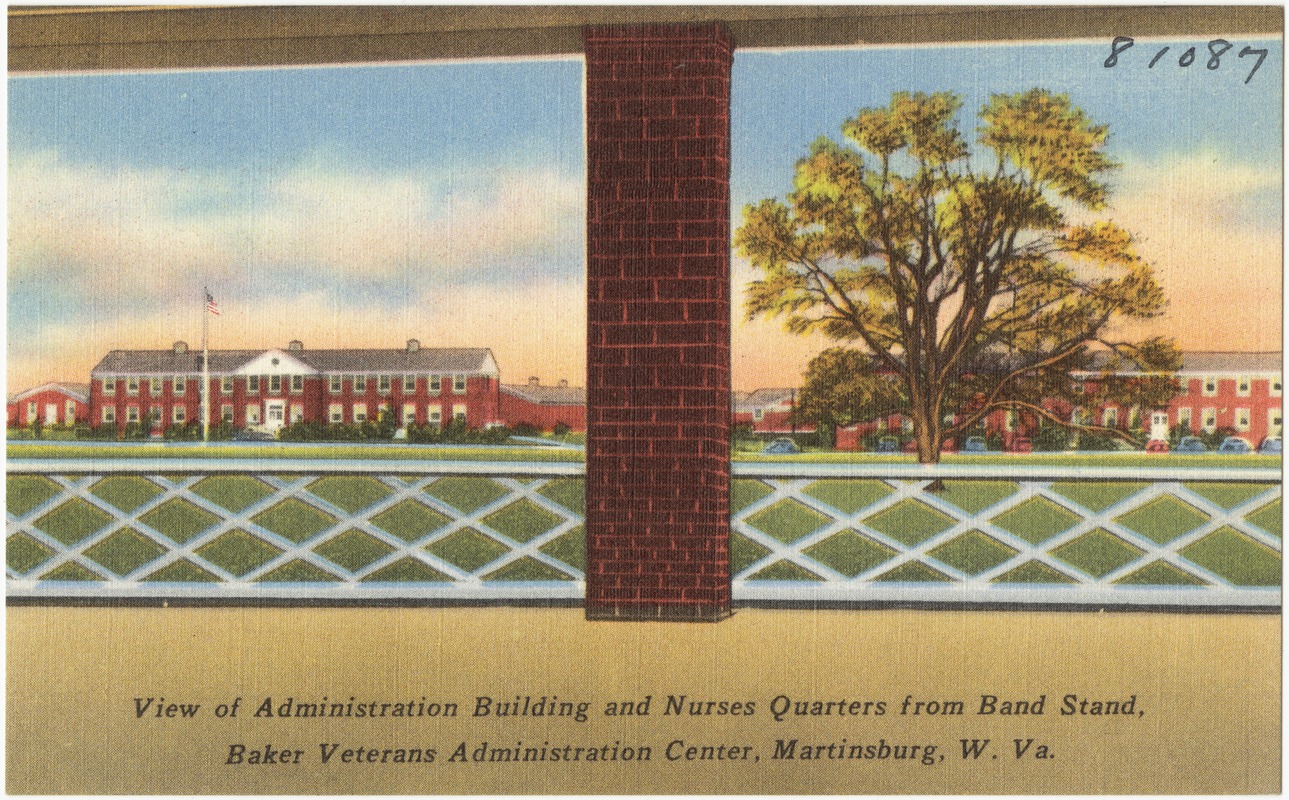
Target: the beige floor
pixel 1207 691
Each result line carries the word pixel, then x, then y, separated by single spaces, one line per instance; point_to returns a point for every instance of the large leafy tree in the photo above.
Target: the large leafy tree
pixel 980 280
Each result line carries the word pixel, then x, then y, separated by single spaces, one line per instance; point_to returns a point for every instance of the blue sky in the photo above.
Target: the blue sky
pixel 364 206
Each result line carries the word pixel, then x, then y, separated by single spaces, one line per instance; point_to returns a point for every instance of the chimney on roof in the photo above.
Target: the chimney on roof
pixel 563 384
pixel 534 381
pixel 181 348
pixel 295 345
pixel 413 345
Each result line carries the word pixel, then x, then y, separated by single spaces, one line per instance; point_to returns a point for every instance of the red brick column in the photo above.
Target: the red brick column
pixel 658 311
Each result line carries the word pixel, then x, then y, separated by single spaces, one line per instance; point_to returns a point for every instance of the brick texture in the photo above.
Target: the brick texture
pixel 658 304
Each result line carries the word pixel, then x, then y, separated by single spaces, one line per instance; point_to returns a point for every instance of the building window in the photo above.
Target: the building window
pixel 1275 386
pixel 758 414
pixel 275 384
pixel 409 413
pixel 31 411
pixel 226 385
pixel 335 384
pixel 436 384
pixel 132 414
pixel 1208 420
pixel 132 387
pixel 360 412
pixel 360 383
pixel 409 384
pixel 178 386
pixel 297 384
pixel 434 415
pixel 336 413
pixel 458 412
pixel 253 414
pixel 1274 421
pixel 1009 422
pixel 1110 417
pixel 253 383
pixel 154 387
pixel 226 413
pixel 69 412
pixel 180 414
pixel 1184 419
pixel 1242 386
pixel 382 384
pixel 1210 386
pixel 1242 419
pixel 154 414
pixel 1078 387
pixel 109 414
pixel 458 384
pixel 109 386
pixel 297 413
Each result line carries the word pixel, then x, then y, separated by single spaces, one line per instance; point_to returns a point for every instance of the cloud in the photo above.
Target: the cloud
pixel 155 231
pixel 115 258
pixel 1211 228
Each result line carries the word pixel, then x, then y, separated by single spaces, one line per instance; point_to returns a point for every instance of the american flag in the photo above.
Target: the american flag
pixel 211 306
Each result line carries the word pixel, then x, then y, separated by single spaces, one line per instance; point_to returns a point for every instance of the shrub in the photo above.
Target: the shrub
pixel 561 429
pixel 525 429
pixel 1051 439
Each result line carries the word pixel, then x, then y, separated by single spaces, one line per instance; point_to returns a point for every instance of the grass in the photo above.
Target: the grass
pixel 383 452
pixel 396 452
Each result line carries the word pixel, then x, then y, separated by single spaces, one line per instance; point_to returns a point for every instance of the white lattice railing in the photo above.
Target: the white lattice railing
pixel 1251 552
pixel 802 533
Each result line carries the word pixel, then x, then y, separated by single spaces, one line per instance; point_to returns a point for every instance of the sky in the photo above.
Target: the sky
pixel 364 206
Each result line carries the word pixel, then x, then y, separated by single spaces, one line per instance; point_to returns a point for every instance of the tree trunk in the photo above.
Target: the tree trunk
pixel 928 436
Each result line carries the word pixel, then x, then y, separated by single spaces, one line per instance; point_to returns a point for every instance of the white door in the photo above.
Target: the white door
pixel 51 413
pixel 1159 425
pixel 274 415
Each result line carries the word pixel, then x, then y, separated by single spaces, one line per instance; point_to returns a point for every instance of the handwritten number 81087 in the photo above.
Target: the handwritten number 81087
pixel 1216 49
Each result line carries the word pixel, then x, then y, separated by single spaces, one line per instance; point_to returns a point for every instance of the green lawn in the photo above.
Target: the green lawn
pixel 383 452
pixel 395 452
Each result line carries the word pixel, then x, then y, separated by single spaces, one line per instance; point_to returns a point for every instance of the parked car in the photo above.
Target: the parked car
pixel 1191 444
pixel 1021 445
pixel 1156 446
pixel 975 445
pixel 254 436
pixel 1271 446
pixel 887 444
pixel 780 447
pixel 1235 444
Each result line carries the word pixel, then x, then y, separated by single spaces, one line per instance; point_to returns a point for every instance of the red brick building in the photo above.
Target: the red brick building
pixel 543 407
pixel 1242 392
pixel 267 389
pixel 1237 391
pixel 50 404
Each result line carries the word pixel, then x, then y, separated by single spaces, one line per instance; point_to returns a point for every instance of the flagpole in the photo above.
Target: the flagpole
pixel 205 370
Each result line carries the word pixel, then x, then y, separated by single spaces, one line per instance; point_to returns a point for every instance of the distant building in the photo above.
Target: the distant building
pixel 1239 392
pixel 543 407
pixel 51 404
pixel 1242 392
pixel 769 411
pixel 267 389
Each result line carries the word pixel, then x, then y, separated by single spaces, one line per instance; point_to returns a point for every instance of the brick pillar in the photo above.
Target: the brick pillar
pixel 658 311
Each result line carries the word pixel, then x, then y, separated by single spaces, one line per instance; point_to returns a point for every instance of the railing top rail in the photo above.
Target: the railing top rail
pixel 1037 471
pixel 292 465
pixel 740 469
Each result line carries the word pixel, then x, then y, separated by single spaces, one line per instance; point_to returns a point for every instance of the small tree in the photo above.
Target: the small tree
pixel 977 280
pixel 842 388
